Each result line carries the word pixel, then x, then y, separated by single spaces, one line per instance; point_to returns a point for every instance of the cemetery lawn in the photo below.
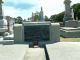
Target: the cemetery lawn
pixel 69 39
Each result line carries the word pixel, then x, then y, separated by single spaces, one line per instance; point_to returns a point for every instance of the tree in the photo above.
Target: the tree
pixel 18 20
pixel 76 8
pixel 57 17
pixel 53 17
pixel 46 18
pixel 36 17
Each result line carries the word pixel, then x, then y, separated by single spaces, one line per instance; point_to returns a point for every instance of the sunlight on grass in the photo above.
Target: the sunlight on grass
pixel 69 39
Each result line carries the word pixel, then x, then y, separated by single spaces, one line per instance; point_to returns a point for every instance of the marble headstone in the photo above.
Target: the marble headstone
pixel 3 22
pixel 68 14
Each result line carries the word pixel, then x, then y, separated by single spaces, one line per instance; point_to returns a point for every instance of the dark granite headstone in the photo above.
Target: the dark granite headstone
pixel 36 33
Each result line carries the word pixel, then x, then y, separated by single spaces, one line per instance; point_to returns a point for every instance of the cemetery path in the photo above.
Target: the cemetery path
pixel 35 54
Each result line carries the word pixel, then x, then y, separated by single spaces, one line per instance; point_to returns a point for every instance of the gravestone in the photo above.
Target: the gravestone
pixel 68 19
pixel 41 32
pixel 71 28
pixel 36 33
pixel 67 15
pixel 3 22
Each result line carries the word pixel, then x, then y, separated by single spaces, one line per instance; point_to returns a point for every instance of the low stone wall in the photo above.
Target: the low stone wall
pixel 70 33
pixel 71 23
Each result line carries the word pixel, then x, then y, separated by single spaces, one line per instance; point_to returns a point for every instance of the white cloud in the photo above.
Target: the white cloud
pixel 22 1
pixel 14 12
pixel 50 7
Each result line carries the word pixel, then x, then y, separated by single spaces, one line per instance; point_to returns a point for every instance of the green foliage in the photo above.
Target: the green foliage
pixel 37 18
pixel 59 17
pixel 46 18
pixel 76 8
pixel 18 20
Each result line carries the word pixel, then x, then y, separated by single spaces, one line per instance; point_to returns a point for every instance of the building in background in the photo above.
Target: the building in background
pixel 38 16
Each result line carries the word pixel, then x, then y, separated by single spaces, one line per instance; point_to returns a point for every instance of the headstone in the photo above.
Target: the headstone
pixel 68 14
pixel 3 23
pixel 42 32
pixel 10 24
pixel 36 33
pixel 70 30
pixel 68 19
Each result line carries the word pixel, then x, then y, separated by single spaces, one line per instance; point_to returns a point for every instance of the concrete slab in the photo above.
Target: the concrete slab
pixel 69 32
pixel 12 52
pixel 64 51
pixel 35 54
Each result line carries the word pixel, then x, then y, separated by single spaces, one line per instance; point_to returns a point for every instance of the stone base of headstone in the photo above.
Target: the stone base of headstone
pixel 71 23
pixel 7 42
pixel 69 32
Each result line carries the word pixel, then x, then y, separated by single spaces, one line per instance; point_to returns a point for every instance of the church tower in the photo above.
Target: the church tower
pixel 41 15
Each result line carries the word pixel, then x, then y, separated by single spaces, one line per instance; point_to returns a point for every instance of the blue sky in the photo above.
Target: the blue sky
pixel 24 8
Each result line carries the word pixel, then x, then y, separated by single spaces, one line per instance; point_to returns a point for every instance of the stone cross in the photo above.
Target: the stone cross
pixel 68 14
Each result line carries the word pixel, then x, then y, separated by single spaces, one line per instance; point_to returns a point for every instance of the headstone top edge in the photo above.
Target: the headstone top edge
pixel 36 23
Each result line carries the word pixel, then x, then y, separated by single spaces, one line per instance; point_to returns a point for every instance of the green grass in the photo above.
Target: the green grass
pixel 69 39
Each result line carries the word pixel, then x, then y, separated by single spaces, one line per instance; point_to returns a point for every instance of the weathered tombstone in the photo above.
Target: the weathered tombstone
pixel 41 32
pixel 3 23
pixel 68 19
pixel 67 15
pixel 71 29
pixel 10 24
